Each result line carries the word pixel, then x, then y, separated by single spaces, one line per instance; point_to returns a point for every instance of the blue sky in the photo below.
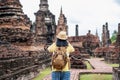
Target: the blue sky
pixel 118 1
pixel 88 14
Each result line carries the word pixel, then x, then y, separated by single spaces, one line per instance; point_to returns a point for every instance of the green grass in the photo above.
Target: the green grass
pixel 96 77
pixel 43 74
pixel 114 65
pixel 88 65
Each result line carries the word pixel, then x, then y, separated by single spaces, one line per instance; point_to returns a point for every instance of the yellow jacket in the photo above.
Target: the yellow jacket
pixel 70 49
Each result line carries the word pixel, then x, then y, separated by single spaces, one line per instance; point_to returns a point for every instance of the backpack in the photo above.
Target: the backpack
pixel 59 58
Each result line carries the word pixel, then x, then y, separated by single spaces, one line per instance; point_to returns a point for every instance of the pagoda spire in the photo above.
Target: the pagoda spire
pixel 44 5
pixel 62 23
pixel 96 32
pixel 62 18
pixel 61 12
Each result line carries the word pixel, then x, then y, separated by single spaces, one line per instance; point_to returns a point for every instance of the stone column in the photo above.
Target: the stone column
pixel 76 31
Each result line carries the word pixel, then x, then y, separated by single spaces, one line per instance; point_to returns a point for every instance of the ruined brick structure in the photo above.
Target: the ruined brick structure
pixel 62 23
pixel 88 41
pixel 20 58
pixel 110 54
pixel 84 45
pixel 107 50
pixel 116 70
pixel 14 22
pixel 105 36
pixel 21 64
pixel 118 36
pixel 45 29
pixel 78 59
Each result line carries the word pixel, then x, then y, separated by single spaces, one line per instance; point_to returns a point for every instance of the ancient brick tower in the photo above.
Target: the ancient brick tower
pixel 14 24
pixel 12 14
pixel 118 36
pixel 45 24
pixel 20 59
pixel 62 23
pixel 105 36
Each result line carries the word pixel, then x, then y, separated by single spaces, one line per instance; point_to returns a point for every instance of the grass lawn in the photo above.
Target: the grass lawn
pixel 43 74
pixel 96 77
pixel 114 65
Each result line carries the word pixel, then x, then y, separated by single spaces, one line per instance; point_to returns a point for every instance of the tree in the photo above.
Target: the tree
pixel 114 36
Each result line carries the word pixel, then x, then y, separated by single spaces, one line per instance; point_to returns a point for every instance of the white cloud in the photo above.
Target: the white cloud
pixel 88 14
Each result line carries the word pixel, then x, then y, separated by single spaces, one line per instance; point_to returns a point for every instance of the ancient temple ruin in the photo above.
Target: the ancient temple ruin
pixel 23 44
pixel 45 29
pixel 89 41
pixel 116 70
pixel 14 22
pixel 20 57
pixel 84 46
pixel 107 50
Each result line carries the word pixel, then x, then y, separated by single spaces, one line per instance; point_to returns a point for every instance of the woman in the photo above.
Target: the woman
pixel 61 41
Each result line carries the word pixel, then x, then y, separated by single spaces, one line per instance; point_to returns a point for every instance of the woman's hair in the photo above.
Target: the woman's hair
pixel 61 43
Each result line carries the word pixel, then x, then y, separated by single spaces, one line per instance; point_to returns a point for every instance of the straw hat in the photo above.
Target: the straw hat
pixel 62 35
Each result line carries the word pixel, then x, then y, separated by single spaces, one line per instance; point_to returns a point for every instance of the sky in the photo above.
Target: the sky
pixel 88 14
